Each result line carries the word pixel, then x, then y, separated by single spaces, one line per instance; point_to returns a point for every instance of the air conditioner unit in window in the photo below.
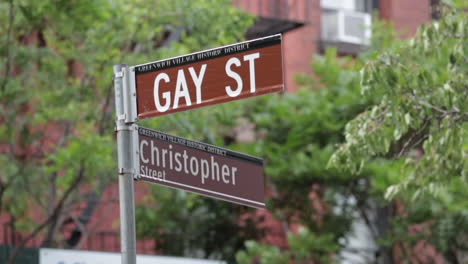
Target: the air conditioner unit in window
pixel 350 31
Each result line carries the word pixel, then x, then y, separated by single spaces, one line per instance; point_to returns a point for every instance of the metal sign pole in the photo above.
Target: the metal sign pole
pixel 125 132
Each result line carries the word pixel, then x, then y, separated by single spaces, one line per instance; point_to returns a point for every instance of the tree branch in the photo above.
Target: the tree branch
pixel 52 219
pixel 436 108
pixel 407 146
pixel 105 110
pixel 61 204
pixel 8 53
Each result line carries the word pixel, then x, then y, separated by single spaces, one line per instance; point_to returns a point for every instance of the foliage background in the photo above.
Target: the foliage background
pixel 394 134
pixel 56 125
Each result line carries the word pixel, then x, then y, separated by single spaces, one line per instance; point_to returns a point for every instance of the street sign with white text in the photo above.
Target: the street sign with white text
pixel 209 77
pixel 200 168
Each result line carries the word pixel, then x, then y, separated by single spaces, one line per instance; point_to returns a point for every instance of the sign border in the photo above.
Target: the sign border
pixel 204 55
pixel 178 140
pixel 197 190
pixel 253 44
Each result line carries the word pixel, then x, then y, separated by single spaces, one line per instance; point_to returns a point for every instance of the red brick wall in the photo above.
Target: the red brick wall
pixel 298 45
pixel 406 15
pixel 294 10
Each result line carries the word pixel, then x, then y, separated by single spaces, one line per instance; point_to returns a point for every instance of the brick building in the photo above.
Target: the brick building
pixel 311 25
pixel 308 27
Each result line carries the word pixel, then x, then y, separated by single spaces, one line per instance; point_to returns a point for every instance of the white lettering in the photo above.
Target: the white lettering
pixel 164 152
pixel 181 90
pixel 154 150
pixel 234 169
pixel 162 158
pixel 235 76
pixel 251 58
pixel 142 157
pixel 214 168
pixel 205 170
pixel 165 95
pixel 194 166
pixel 225 173
pixel 197 80
pixel 177 160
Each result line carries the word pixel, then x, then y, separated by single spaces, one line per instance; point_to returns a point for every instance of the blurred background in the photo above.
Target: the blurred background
pixel 366 153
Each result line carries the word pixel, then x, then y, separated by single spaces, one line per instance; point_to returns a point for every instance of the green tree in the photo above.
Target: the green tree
pixel 305 246
pixel 421 112
pixel 300 134
pixel 419 117
pixel 56 94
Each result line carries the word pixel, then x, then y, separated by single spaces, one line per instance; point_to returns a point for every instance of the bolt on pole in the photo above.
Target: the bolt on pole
pixel 125 132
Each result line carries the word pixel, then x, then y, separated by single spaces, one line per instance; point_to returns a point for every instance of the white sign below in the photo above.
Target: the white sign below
pixel 65 256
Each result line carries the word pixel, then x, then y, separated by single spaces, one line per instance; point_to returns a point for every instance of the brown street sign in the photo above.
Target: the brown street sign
pixel 219 75
pixel 200 168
